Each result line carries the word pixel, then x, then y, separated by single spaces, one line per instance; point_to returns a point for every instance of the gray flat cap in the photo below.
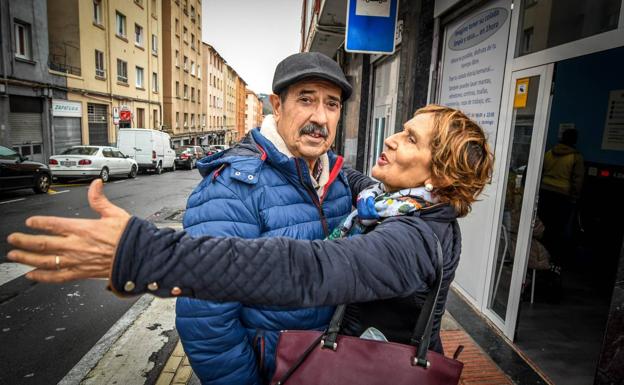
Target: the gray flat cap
pixel 306 65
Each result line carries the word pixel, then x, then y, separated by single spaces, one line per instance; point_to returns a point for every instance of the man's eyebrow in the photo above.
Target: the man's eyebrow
pixel 303 92
pixel 335 98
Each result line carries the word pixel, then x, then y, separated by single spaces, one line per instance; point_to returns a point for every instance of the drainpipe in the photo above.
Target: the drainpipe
pixel 110 65
pixel 3 131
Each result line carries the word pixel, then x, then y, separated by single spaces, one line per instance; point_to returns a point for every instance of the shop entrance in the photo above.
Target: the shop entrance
pixel 559 246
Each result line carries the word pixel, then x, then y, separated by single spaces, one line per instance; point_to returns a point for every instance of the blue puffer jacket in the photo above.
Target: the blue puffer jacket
pixel 252 191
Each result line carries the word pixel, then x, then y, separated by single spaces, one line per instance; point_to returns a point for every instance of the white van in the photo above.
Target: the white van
pixel 150 148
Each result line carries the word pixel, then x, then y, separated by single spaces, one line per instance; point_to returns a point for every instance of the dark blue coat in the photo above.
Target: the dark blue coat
pixel 252 191
pixel 394 261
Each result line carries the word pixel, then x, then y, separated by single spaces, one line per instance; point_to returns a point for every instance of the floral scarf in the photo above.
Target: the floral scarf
pixel 387 205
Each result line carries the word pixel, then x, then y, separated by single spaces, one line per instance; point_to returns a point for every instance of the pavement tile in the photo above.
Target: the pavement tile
pixel 165 378
pixel 178 351
pixel 182 375
pixel 172 364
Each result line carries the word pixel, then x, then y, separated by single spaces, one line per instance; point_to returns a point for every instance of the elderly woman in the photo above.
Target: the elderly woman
pixel 381 260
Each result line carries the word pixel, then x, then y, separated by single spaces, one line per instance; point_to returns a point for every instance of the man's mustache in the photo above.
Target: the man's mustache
pixel 312 128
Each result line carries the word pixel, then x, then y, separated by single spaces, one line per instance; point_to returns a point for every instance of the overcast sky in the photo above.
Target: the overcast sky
pixel 253 35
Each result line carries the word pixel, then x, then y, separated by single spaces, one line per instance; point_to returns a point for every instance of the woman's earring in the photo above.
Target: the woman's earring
pixel 428 187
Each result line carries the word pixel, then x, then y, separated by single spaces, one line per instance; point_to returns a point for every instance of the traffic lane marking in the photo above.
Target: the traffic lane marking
pixel 13 200
pixel 11 270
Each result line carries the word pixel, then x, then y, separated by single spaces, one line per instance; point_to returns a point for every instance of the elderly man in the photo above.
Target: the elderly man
pixel 281 180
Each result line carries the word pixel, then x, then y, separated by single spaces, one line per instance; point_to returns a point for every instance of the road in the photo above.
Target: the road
pixel 46 329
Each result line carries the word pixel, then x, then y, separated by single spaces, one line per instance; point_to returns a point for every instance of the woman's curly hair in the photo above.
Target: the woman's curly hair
pixel 461 159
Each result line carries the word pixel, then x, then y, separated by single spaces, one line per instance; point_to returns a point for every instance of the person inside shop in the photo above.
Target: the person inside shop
pixel 381 259
pixel 562 182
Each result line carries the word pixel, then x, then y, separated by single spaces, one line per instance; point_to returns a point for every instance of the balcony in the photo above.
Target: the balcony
pixel 64 67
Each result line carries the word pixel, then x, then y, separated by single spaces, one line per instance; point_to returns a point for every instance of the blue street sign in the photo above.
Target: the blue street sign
pixel 371 26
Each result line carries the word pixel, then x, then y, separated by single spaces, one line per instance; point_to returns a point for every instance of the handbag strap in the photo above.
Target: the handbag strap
pixel 421 336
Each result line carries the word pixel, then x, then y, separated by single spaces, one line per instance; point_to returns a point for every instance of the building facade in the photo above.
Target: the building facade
pixel 28 90
pixel 213 83
pixel 184 117
pixel 110 53
pixel 241 103
pixel 229 103
pixel 253 111
pixel 526 71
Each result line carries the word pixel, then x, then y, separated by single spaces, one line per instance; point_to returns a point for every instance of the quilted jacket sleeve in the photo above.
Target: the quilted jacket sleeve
pixel 211 332
pixel 395 259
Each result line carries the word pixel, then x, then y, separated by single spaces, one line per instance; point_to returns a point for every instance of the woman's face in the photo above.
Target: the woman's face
pixel 406 161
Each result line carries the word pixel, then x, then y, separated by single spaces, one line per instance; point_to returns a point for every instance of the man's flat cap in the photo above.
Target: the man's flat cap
pixel 307 65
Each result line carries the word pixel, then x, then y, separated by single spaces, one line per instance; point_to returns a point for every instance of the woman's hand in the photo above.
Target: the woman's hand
pixel 77 248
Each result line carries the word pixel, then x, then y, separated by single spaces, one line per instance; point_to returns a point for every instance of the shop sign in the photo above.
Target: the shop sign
pixel 475 49
pixel 371 26
pixel 66 108
pixel 613 134
pixel 522 91
pixel 125 115
pixel 115 115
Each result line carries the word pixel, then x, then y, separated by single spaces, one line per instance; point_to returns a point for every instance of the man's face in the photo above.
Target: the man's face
pixel 308 116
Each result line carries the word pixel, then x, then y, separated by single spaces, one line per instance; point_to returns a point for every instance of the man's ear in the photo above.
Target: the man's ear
pixel 276 103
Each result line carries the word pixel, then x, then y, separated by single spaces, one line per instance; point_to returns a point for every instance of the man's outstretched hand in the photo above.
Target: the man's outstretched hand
pixel 75 248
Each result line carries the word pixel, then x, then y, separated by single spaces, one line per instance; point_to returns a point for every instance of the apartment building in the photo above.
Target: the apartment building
pixel 213 84
pixel 110 53
pixel 253 111
pixel 241 101
pixel 182 78
pixel 28 91
pixel 229 97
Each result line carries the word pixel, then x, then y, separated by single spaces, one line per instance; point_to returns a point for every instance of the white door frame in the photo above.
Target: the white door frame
pixel 529 204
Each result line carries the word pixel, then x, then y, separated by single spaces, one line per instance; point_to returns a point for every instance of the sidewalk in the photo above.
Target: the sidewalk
pixel 479 369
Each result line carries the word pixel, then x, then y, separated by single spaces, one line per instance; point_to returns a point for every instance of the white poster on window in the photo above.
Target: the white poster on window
pixel 474 64
pixel 613 136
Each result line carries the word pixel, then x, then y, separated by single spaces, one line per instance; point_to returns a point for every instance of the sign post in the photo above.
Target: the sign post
pixel 371 26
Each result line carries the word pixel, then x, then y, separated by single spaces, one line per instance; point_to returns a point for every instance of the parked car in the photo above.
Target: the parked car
pixel 150 148
pixel 92 161
pixel 213 149
pixel 17 172
pixel 187 156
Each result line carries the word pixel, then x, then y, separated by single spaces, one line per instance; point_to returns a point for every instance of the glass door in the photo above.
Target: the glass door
pixel 525 129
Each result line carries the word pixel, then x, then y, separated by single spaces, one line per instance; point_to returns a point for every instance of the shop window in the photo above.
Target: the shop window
pixel 23 41
pixel 546 24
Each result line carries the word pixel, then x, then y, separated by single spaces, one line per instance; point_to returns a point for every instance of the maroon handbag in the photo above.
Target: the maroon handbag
pixel 326 358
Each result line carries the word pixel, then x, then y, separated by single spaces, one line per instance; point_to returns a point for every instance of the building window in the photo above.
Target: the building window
pixel 22 41
pixel 122 71
pixel 192 41
pixel 184 33
pixel 138 35
pixel 177 120
pixel 185 120
pixel 527 40
pixel 140 122
pixel 139 77
pixel 193 68
pixel 185 63
pixel 198 96
pixel 203 122
pixel 154 82
pixel 192 14
pixel 154 44
pixel 192 94
pixel 177 89
pixel 99 64
pixel 140 3
pixel 155 118
pixel 177 27
pixel 97 12
pixel 193 120
pixel 120 24
pixel 177 58
pixel 185 91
